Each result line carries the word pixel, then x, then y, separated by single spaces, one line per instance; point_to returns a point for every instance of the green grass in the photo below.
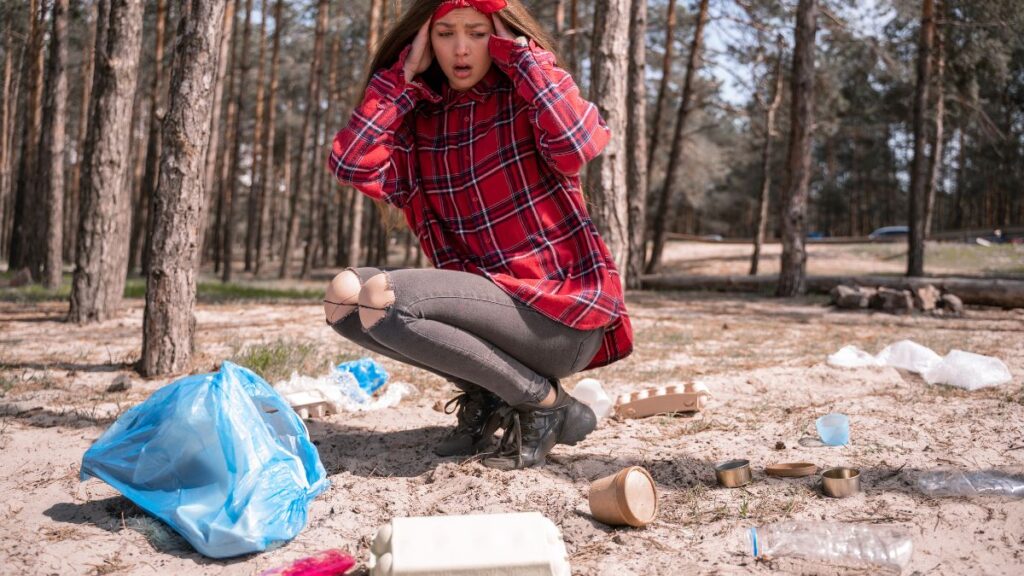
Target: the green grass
pixel 277 360
pixel 960 258
pixel 135 288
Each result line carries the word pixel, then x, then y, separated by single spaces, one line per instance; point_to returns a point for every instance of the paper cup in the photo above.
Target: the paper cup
pixel 626 497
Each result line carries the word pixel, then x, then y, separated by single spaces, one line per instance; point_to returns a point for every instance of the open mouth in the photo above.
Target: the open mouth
pixel 462 70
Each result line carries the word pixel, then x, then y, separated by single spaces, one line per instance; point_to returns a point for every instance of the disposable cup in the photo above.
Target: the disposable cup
pixel 834 429
pixel 626 497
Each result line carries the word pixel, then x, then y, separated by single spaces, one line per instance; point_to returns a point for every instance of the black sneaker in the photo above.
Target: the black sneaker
pixel 531 433
pixel 474 432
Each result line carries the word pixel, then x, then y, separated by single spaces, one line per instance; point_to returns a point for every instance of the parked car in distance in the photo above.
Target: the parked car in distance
pixel 890 233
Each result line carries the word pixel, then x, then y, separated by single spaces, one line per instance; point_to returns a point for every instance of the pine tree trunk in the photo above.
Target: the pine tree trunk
pixel 255 172
pixel 674 173
pixel 214 152
pixel 666 74
pixel 793 274
pixel 935 160
pixel 919 168
pixel 355 233
pixel 636 144
pixel 231 185
pixel 140 228
pixel 169 323
pixel 267 189
pixel 102 256
pixel 29 217
pixel 74 197
pixel 280 200
pixel 315 240
pixel 573 49
pixel 51 149
pixel 6 106
pixel 766 163
pixel 307 129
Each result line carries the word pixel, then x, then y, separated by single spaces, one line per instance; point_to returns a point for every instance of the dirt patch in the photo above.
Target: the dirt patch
pixel 763 360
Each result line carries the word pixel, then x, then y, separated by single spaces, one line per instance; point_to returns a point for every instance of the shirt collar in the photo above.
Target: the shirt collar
pixel 478 92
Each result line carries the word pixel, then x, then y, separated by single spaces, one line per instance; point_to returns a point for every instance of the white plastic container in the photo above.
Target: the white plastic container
pixel 523 544
pixel 590 392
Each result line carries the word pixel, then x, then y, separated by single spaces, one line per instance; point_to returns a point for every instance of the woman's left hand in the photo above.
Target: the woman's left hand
pixel 501 30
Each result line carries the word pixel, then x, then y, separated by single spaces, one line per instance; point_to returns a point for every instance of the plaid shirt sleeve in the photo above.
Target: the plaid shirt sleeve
pixel 570 132
pixel 375 152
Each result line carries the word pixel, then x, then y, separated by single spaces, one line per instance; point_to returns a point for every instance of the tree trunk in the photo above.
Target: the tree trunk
pixel 574 34
pixel 606 174
pixel 231 185
pixel 255 172
pixel 636 144
pixel 276 242
pixel 102 256
pixel 214 158
pixel 766 162
pixel 801 112
pixel 919 168
pixel 267 188
pixel 29 217
pixel 935 160
pixel 318 206
pixel 7 104
pixel 666 73
pixel 74 201
pixel 143 223
pixel 307 128
pixel 674 173
pixel 51 149
pixel 169 324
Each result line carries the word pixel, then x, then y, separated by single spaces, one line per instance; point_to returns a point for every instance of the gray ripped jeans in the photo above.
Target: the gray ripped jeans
pixel 464 328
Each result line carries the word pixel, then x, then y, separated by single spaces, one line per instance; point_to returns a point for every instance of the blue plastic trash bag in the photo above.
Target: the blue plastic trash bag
pixel 221 458
pixel 368 373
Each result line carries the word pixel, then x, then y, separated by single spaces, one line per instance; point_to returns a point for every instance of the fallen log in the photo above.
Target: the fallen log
pixel 987 292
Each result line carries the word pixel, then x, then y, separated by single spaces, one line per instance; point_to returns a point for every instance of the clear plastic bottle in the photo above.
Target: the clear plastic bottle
pixel 862 544
pixel 971 483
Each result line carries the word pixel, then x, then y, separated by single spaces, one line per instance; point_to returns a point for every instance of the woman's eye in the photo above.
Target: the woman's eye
pixel 481 35
pixel 444 34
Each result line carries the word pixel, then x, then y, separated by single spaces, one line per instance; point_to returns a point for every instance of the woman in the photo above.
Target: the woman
pixel 470 128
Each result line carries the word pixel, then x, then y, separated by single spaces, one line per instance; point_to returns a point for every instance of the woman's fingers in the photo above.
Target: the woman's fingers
pixel 500 29
pixel 419 55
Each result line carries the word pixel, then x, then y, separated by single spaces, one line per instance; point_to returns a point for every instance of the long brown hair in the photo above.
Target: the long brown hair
pixel 514 14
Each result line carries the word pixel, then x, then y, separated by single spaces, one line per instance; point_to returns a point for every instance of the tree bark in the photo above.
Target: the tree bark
pixel 674 173
pixel 666 73
pixel 255 172
pixel 102 256
pixel 935 160
pixel 919 168
pixel 51 148
pixel 794 253
pixel 317 178
pixel 169 323
pixel 214 159
pixel 6 106
pixel 766 162
pixel 636 144
pixel 267 181
pixel 606 174
pixel 231 185
pixel 29 217
pixel 574 34
pixel 143 223
pixel 307 128
pixel 74 197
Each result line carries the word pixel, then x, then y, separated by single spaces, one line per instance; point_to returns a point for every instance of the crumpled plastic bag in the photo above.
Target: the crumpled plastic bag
pixel 960 369
pixel 369 374
pixel 221 458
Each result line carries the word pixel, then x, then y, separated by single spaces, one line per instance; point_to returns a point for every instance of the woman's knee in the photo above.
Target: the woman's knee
pixel 342 297
pixel 375 298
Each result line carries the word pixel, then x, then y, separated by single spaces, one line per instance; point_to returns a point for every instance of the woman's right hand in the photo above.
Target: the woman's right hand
pixel 420 56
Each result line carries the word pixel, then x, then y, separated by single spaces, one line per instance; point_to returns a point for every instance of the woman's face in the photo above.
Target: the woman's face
pixel 459 40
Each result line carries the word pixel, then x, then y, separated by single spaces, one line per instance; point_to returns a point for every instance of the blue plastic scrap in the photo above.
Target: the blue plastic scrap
pixel 368 373
pixel 221 458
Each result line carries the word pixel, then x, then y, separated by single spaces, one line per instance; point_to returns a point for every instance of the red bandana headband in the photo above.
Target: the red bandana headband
pixel 483 6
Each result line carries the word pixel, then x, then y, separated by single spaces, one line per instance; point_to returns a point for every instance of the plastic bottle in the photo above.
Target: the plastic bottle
pixel 971 483
pixel 861 544
pixel 590 392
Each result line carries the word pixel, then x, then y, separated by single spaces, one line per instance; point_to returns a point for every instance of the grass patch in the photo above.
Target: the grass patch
pixel 135 288
pixel 275 361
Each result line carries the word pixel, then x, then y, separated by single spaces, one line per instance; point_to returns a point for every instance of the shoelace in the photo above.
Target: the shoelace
pixel 509 418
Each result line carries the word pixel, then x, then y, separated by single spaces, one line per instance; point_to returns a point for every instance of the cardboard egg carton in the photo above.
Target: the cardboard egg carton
pixel 309 405
pixel 689 397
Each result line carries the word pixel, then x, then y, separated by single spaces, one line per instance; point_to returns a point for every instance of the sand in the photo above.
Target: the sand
pixel 762 359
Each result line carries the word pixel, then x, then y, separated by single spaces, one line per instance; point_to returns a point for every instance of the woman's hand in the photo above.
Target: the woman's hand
pixel 501 30
pixel 420 56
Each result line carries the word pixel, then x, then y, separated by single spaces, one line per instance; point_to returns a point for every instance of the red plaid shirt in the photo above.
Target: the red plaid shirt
pixel 488 180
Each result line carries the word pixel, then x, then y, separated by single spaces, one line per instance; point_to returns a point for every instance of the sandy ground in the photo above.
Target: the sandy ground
pixel 763 360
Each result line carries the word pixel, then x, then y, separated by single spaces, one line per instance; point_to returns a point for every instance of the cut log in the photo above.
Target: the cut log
pixel 975 291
